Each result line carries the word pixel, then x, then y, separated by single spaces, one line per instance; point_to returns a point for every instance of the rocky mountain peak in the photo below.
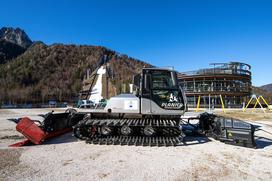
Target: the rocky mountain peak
pixel 16 36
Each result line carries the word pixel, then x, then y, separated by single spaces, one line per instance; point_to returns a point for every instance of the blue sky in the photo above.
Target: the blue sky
pixel 185 34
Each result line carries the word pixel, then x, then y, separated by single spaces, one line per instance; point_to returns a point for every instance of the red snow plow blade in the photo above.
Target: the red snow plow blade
pixel 31 130
pixel 53 125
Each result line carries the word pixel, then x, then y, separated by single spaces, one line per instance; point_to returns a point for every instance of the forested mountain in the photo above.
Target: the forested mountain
pixel 259 91
pixel 267 87
pixel 45 72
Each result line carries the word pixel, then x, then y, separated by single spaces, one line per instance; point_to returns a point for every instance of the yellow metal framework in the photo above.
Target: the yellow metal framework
pixel 221 100
pixel 257 102
pixel 198 103
pixel 222 103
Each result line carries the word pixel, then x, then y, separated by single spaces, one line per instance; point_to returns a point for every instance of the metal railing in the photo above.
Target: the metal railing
pixel 217 71
pixel 216 89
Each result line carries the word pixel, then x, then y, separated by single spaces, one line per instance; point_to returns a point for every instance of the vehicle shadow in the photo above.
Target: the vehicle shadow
pixel 15 120
pixel 262 142
pixel 66 138
pixel 194 140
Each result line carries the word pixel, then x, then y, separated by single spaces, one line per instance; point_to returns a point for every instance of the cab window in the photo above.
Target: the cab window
pixel 161 80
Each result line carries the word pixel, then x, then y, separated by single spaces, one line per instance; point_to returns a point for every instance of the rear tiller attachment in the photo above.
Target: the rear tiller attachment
pixel 227 130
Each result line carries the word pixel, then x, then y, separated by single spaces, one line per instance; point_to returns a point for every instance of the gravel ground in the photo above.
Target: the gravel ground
pixel 67 158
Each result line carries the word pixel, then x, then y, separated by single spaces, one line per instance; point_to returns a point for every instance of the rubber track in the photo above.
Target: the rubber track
pixel 168 132
pixel 135 141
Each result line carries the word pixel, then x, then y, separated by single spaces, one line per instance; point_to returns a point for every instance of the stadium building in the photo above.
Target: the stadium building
pixel 230 80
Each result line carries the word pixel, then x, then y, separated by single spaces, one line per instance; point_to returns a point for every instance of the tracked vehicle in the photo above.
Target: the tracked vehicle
pixel 152 117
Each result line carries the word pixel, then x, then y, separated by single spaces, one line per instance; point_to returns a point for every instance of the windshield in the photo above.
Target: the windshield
pixel 162 80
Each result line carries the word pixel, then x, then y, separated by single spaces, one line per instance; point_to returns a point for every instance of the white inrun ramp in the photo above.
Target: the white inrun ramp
pixel 96 93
